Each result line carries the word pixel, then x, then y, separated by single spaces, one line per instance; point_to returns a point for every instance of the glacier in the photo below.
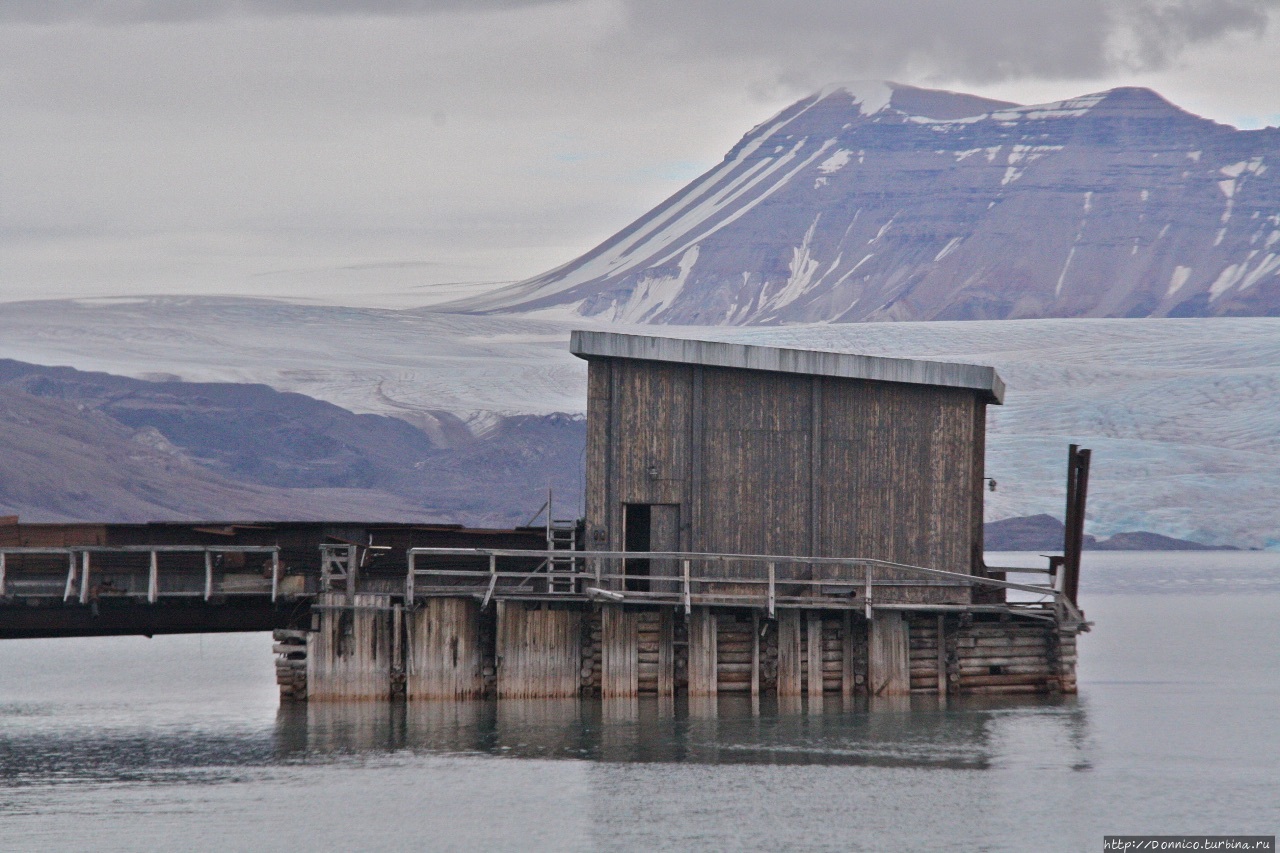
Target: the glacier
pixel 1183 414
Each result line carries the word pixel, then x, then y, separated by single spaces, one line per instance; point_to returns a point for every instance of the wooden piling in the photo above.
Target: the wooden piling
pixel 789 656
pixel 703 678
pixel 445 658
pixel 813 653
pixel 349 658
pixel 539 651
pixel 619 655
pixel 887 659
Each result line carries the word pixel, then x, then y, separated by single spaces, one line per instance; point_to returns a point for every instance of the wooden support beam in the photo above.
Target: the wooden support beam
pixel 275 574
pixel 789 653
pixel 619 658
pixel 349 658
pixel 813 644
pixel 703 675
pixel 888 666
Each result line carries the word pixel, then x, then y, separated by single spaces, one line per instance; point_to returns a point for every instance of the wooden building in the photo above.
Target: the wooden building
pixel 727 448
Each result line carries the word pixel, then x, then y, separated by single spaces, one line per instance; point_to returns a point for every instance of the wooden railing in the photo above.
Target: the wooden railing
pixel 855 583
pixel 43 582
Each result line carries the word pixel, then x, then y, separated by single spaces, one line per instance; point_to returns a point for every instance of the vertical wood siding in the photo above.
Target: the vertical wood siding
pixel 446 660
pixel 539 652
pixel 349 658
pixel 770 463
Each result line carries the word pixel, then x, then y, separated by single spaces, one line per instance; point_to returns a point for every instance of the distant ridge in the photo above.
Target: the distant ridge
pixel 879 201
pixel 1044 533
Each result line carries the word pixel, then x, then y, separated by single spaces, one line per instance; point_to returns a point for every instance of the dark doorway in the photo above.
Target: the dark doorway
pixel 637 526
pixel 649 528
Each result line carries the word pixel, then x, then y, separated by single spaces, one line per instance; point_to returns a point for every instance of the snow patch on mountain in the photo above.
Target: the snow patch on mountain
pixel 909 171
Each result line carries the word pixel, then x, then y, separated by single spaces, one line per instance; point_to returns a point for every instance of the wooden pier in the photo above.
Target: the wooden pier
pixel 758 521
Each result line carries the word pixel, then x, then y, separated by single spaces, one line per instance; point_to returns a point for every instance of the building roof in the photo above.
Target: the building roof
pixel 592 344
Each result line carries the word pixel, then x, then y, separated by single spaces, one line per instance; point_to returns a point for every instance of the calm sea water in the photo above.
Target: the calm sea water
pixel 178 743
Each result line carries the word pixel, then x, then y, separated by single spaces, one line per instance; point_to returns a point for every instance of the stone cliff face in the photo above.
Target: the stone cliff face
pixel 886 202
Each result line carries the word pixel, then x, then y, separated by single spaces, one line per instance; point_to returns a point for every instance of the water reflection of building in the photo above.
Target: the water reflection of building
pixel 892 732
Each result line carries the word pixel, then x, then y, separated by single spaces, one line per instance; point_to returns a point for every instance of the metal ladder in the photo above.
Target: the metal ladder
pixel 562 542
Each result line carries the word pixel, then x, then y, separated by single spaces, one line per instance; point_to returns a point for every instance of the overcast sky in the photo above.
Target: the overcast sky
pixel 359 151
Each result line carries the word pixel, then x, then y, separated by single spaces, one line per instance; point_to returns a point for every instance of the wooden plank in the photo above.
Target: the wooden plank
pixel 618 656
pixel 887 655
pixel 789 653
pixel 703 676
pixel 813 650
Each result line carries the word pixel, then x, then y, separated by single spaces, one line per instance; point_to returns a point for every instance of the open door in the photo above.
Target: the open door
pixel 648 528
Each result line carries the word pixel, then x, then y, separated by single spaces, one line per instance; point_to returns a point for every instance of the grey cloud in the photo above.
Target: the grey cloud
pixel 817 41
pixel 174 11
pixel 1160 30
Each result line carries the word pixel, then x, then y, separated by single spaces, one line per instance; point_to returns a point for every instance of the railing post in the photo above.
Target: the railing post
pixel 866 594
pixel 493 580
pixel 275 574
pixel 772 589
pixel 688 598
pixel 71 576
pixel 352 569
pixel 84 577
pixel 409 579
pixel 153 579
pixel 2 567
pixel 208 574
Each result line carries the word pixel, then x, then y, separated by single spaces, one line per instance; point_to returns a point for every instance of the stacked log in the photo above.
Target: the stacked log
pixel 291 664
pixel 734 657
pixel 1006 658
pixel 924 655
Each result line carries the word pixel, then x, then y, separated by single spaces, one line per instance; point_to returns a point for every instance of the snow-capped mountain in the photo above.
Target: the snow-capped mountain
pixel 880 201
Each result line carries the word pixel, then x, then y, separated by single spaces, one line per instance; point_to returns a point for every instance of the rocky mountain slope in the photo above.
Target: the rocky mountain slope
pixel 886 202
pixel 80 445
pixel 60 461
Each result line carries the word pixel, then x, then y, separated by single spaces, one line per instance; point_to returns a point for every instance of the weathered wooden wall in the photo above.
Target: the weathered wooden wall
pixel 445 654
pixel 772 463
pixel 349 657
pixel 539 651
